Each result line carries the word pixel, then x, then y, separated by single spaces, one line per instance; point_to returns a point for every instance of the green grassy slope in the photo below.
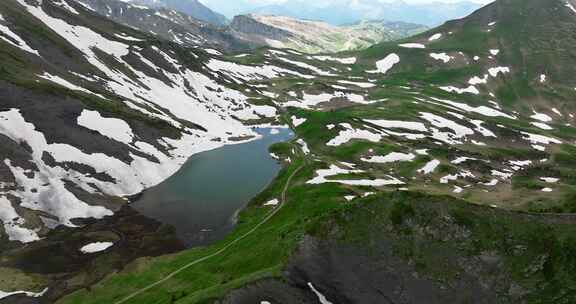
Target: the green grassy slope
pixel 534 38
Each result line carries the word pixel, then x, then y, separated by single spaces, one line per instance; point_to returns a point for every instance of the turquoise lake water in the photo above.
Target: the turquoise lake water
pixel 203 197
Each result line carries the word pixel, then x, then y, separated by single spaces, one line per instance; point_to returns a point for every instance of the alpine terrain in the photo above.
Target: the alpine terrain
pixel 341 12
pixel 318 37
pixel 440 168
pixel 168 24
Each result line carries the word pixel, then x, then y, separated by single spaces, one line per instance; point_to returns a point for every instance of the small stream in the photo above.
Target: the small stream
pixel 202 199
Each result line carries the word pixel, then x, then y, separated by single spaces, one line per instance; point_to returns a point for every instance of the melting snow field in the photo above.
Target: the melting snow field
pixel 324 174
pixel 390 158
pixel 45 187
pixel 309 101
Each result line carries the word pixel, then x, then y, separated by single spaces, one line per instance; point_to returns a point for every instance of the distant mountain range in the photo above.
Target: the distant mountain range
pixel 157 17
pixel 192 8
pixel 331 16
pixel 339 12
pixel 316 36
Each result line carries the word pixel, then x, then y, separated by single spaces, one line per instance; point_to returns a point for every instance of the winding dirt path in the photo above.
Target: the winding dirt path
pixel 223 249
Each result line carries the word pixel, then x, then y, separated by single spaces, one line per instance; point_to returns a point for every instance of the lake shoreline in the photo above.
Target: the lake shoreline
pixel 203 199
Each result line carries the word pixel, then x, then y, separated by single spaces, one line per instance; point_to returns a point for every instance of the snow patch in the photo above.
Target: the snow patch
pixel 412 45
pixel 429 167
pixel 441 122
pixel 272 202
pixel 550 180
pixel 435 37
pixel 4 294
pixel 453 177
pixel 390 158
pixel 298 121
pixel 320 296
pixel 96 247
pixel 471 89
pixel 113 128
pixel 542 78
pixel 540 139
pixel 304 146
pixel 497 70
pixel 14 225
pixel 349 60
pixel 483 110
pixel 393 124
pixel 542 125
pixel 365 85
pixel 350 133
pixel 384 65
pixel 65 83
pixel 541 117
pixel 441 56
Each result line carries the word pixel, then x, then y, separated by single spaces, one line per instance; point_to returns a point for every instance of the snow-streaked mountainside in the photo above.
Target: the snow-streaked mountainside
pixel 318 37
pixel 405 155
pixel 167 23
pixel 93 110
pixel 193 8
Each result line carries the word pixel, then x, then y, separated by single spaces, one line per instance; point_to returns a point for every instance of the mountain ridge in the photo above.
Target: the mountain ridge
pixel 193 8
pixel 312 36
pixel 168 23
